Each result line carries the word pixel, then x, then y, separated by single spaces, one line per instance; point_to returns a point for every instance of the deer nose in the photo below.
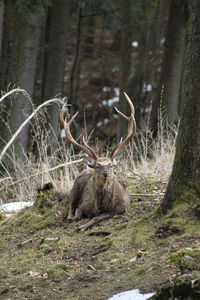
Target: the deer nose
pixel 105 174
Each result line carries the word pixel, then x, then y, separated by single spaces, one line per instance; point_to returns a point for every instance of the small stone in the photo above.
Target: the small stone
pixel 114 260
pixel 133 259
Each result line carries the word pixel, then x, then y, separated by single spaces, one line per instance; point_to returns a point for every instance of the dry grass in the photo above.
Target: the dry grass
pixel 20 183
pixel 150 157
pixel 144 157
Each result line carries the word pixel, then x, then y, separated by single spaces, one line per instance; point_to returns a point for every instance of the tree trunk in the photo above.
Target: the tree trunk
pixel 157 35
pixel 75 72
pixel 1 22
pixel 27 62
pixel 125 62
pixel 57 22
pixel 18 64
pixel 168 89
pixel 184 182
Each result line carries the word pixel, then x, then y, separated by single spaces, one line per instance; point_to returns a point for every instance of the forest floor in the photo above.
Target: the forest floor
pixel 44 257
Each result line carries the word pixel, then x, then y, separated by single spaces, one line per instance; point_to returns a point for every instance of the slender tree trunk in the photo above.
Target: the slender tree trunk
pixel 169 85
pixel 138 77
pixel 76 64
pixel 1 22
pixel 125 62
pixel 57 26
pixel 184 182
pixel 157 36
pixel 88 49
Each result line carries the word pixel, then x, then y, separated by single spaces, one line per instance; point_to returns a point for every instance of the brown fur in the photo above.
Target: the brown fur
pixel 93 194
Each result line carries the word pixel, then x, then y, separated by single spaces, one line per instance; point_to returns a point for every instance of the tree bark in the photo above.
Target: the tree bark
pixel 1 22
pixel 125 63
pixel 75 72
pixel 169 85
pixel 184 181
pixel 18 66
pixel 53 79
pixel 22 107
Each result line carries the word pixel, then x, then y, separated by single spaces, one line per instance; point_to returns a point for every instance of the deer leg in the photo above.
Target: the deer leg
pixel 94 221
pixel 78 213
pixel 70 214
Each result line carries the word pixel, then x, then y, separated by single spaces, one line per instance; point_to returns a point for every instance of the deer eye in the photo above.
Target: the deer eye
pixel 98 166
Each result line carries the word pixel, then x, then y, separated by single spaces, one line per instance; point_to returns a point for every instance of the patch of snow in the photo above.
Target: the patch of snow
pixel 14 206
pixel 104 122
pixel 147 87
pixel 88 105
pixel 146 109
pixel 130 295
pixel 66 78
pixel 115 69
pixel 162 41
pixel 116 90
pixel 111 101
pixel 134 44
pixel 108 41
pixel 62 134
pixel 106 89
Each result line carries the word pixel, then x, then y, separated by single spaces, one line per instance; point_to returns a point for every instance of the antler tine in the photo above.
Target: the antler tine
pixel 131 128
pixel 87 149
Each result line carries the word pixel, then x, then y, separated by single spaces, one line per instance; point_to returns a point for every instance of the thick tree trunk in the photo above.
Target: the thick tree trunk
pixel 168 89
pixel 125 62
pixel 18 66
pixel 27 62
pixel 185 178
pixel 55 60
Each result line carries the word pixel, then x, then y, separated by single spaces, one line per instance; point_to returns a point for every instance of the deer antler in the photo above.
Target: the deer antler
pixel 85 148
pixel 131 128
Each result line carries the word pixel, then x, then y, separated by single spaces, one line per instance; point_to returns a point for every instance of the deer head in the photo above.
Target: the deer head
pixel 102 165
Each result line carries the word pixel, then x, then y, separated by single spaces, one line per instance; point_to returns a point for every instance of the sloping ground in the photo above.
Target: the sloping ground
pixel 44 257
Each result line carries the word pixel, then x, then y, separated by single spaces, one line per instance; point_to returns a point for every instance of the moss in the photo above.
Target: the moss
pixel 187 193
pixel 42 202
pixel 57 272
pixel 185 258
pixel 140 233
pixel 182 289
pixel 103 246
pixel 120 226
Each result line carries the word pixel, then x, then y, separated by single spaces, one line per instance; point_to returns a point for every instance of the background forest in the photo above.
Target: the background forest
pixel 90 52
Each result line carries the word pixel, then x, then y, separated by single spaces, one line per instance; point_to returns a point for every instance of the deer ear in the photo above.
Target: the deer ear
pixel 90 162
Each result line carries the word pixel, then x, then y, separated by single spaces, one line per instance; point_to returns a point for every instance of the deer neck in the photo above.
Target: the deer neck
pixel 100 183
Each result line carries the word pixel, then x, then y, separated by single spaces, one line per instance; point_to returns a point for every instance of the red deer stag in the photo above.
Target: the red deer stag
pixel 96 191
